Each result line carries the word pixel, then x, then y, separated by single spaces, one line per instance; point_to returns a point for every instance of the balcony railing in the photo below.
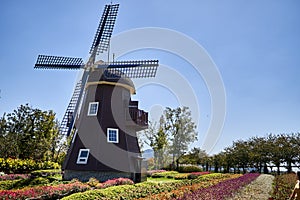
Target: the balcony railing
pixel 139 117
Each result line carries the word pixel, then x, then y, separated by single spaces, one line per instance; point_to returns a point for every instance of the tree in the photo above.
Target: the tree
pixel 195 156
pixel 29 133
pixel 156 138
pixel 181 130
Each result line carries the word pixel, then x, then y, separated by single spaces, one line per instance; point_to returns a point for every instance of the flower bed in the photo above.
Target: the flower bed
pixel 13 177
pixel 142 190
pixel 44 192
pixel 220 190
pixel 60 190
pixel 201 182
pixel 260 188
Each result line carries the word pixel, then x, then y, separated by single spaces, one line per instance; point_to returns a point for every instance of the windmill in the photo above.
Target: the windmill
pixel 101 117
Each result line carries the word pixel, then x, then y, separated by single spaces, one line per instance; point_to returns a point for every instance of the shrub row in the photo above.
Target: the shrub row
pixel 164 174
pixel 20 166
pixel 140 190
pixel 45 172
pixel 189 169
pixel 93 182
pixel 21 183
pixel 6 177
pixel 150 172
pixel 178 176
pixel 283 186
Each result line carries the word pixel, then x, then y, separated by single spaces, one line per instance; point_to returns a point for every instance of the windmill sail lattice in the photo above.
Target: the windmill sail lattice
pixel 131 69
pixel 105 29
pixel 68 119
pixel 58 62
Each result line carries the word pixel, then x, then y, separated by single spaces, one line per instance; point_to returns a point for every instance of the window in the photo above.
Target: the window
pixel 93 108
pixel 112 135
pixel 83 156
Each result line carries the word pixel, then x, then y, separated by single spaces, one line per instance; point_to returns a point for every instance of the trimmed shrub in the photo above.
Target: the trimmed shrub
pixel 93 182
pixel 181 176
pixel 45 172
pixel 164 174
pixel 7 185
pixel 149 173
pixel 189 169
pixel 195 175
pixel 39 181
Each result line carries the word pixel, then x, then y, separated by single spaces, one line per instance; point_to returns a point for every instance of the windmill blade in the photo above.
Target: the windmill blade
pixel 105 29
pixel 69 117
pixel 131 69
pixel 58 62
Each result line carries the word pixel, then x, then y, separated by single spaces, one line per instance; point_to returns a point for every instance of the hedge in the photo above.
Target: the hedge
pixel 189 169
pixel 164 174
pixel 16 165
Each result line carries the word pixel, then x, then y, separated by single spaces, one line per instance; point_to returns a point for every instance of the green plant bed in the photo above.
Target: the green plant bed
pixel 160 180
pixel 29 182
pixel 166 174
pixel 46 172
pixel 7 185
pixel 181 176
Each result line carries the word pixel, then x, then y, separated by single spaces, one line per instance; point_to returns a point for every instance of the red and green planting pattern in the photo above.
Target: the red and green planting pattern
pixel 170 185
pixel 60 190
pixel 44 192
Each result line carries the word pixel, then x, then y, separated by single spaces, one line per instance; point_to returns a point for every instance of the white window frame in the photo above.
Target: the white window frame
pixel 83 160
pixel 90 105
pixel 117 135
pixel 74 136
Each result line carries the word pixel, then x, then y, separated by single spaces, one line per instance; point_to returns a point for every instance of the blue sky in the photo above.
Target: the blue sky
pixel 254 44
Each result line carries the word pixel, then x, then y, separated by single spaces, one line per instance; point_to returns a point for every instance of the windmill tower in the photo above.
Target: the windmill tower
pixel 101 117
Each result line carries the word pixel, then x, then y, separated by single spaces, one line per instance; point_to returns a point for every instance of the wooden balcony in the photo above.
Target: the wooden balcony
pixel 136 116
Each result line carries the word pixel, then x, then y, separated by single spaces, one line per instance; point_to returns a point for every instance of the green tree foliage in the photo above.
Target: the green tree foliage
pixel 171 136
pixel 261 153
pixel 181 130
pixel 196 156
pixel 156 138
pixel 29 133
